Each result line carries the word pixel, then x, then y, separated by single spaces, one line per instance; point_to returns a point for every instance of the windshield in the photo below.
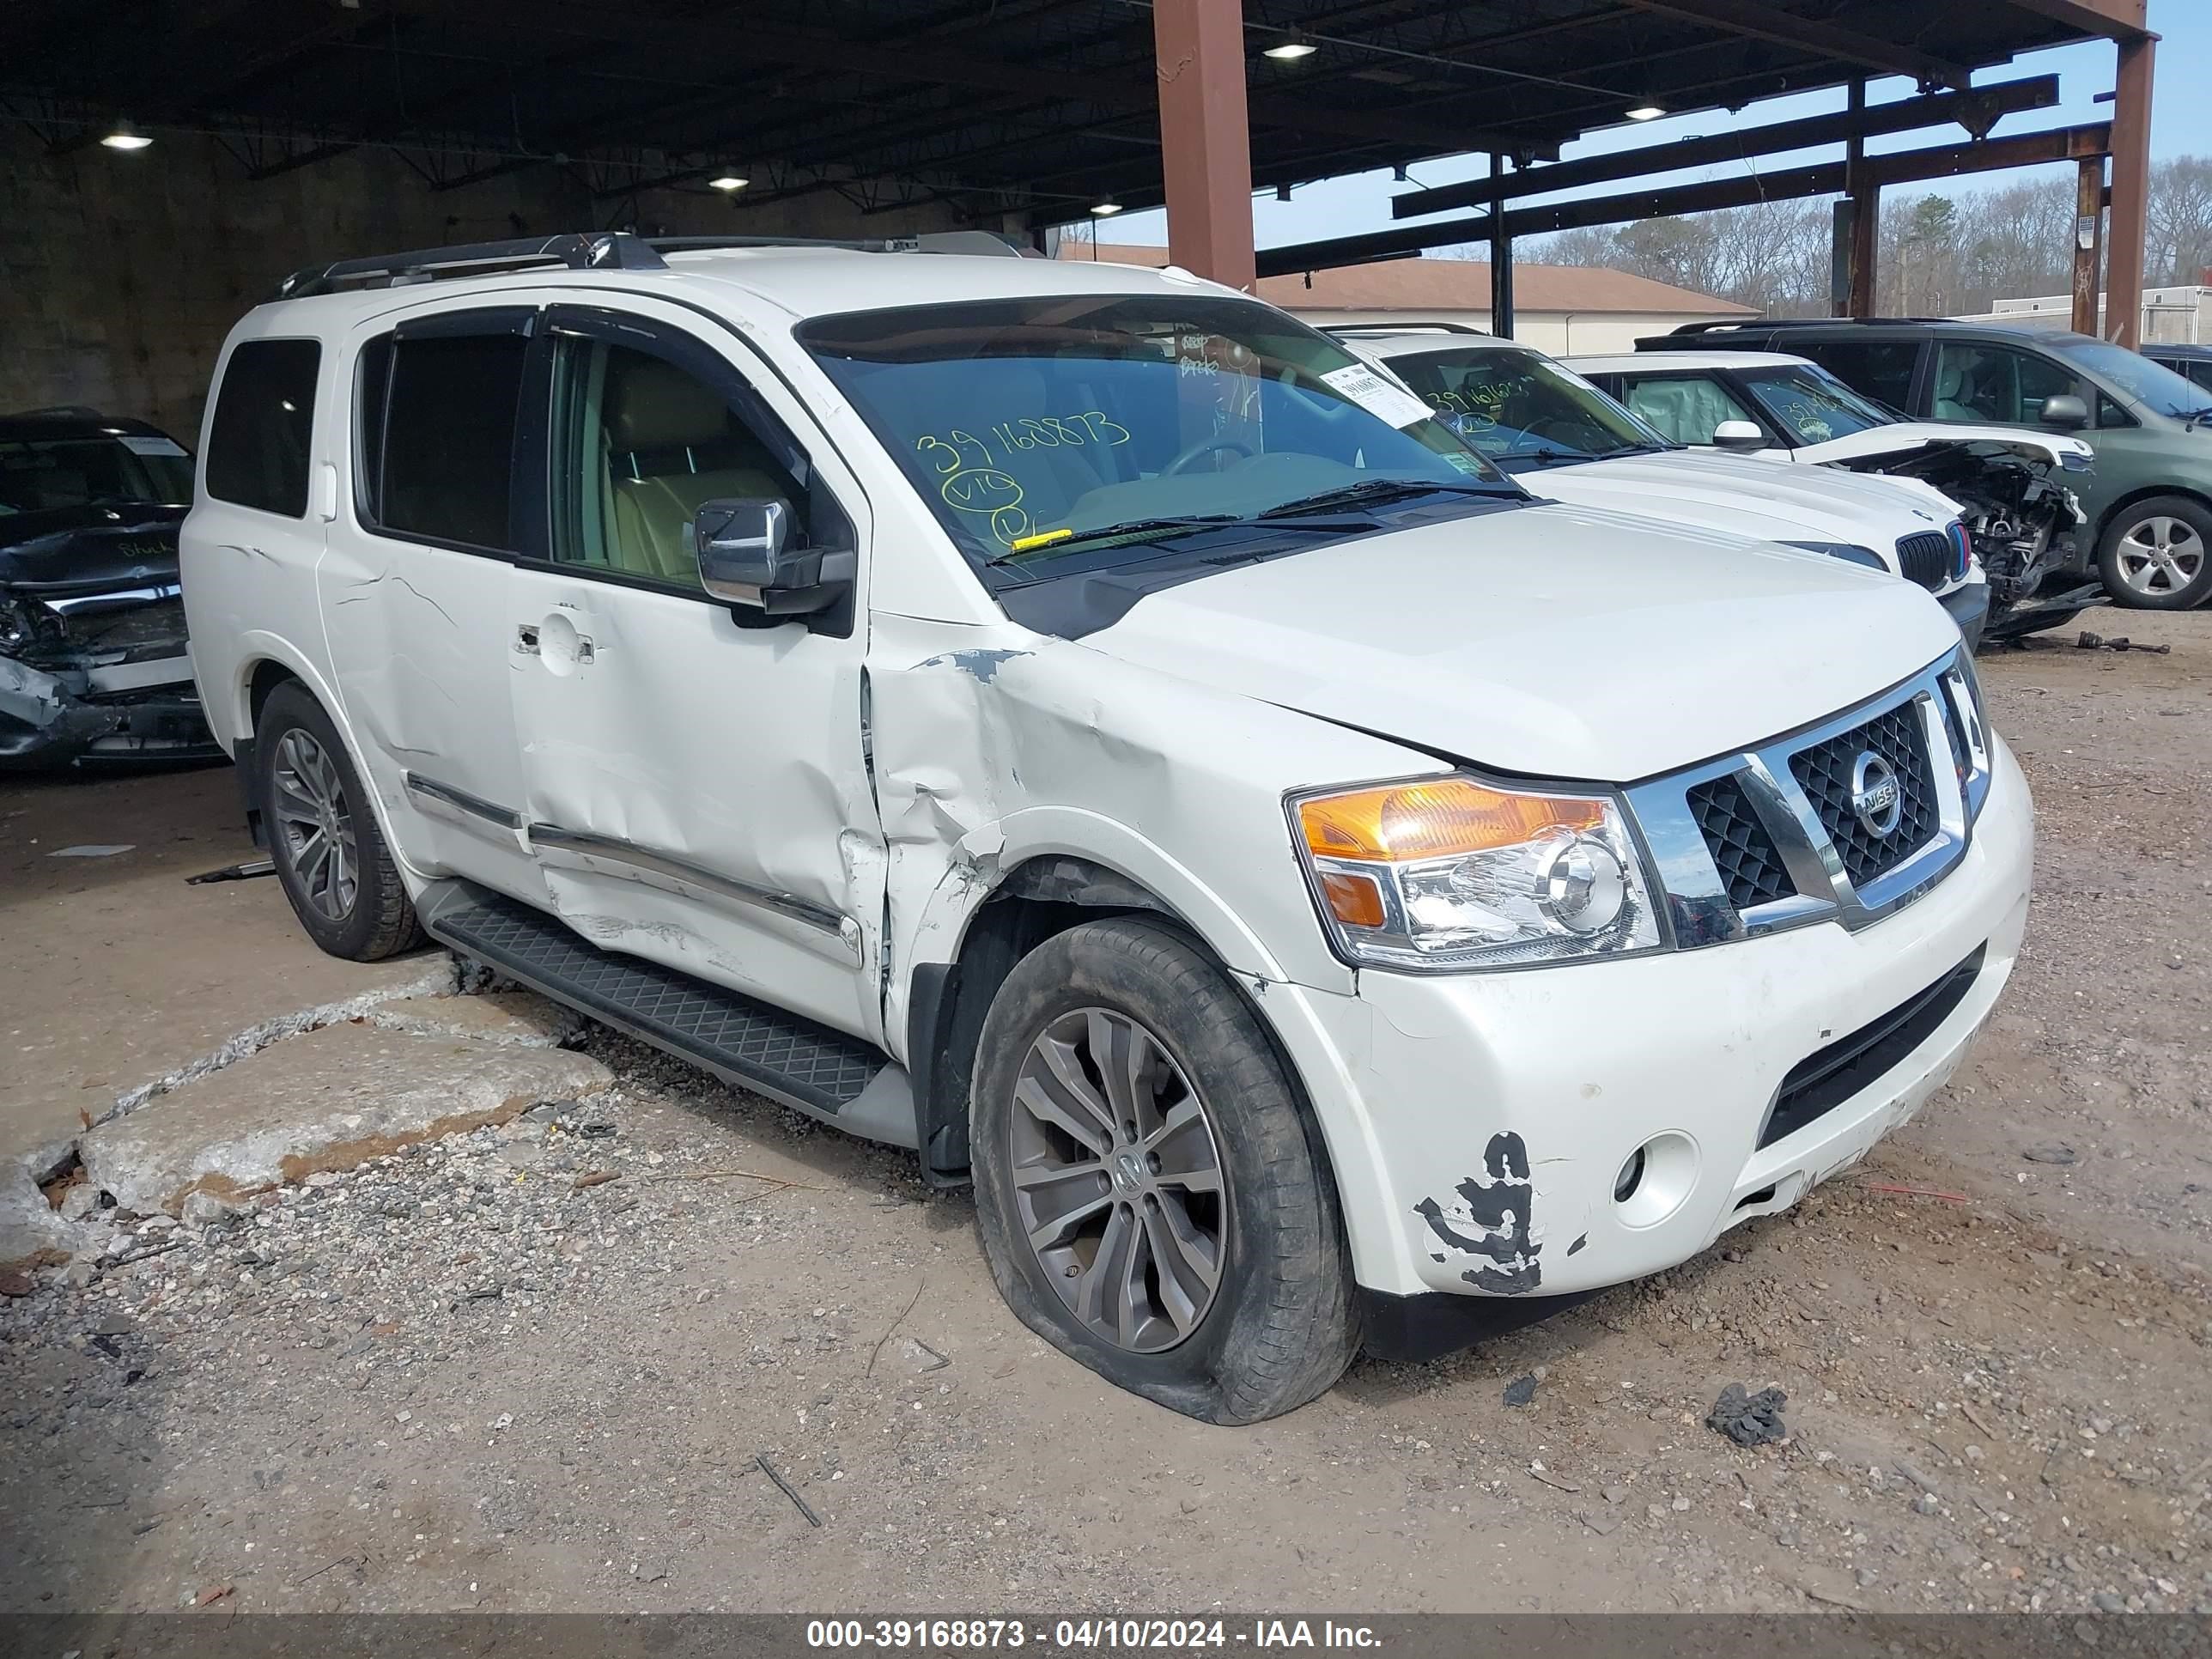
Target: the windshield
pixel 2150 384
pixel 101 471
pixel 1521 410
pixel 1812 403
pixel 1031 426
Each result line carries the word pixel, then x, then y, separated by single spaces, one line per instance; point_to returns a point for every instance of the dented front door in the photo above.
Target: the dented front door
pixel 695 790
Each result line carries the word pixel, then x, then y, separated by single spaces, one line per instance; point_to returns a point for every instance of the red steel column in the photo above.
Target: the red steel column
pixel 1205 140
pixel 2123 256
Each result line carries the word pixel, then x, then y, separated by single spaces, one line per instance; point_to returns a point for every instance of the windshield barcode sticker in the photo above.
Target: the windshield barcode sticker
pixel 138 446
pixel 1378 396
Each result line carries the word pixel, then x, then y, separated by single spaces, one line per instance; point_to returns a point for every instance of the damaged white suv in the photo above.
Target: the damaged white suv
pixel 1082 724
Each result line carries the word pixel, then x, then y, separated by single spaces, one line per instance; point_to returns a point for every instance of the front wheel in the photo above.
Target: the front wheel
pixel 1151 1191
pixel 331 858
pixel 2156 554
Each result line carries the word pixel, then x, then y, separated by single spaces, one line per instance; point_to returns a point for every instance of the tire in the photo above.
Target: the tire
pixel 1278 1323
pixel 311 797
pixel 2156 553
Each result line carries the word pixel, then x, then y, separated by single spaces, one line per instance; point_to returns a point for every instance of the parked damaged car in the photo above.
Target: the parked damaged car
pixel 2016 487
pixel 1563 436
pixel 1081 724
pixel 93 665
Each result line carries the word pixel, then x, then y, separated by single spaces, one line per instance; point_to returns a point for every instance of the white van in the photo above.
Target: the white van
pixel 1079 723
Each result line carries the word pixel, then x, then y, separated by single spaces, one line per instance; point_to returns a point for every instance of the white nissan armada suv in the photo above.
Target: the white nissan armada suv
pixel 1079 723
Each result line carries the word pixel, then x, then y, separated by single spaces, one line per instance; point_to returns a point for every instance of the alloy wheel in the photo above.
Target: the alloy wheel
pixel 1118 1180
pixel 2160 555
pixel 315 825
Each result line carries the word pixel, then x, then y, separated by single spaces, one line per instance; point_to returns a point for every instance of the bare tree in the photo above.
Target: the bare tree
pixel 1957 254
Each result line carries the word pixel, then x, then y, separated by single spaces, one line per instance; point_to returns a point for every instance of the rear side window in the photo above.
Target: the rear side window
pixel 438 416
pixel 258 444
pixel 1881 369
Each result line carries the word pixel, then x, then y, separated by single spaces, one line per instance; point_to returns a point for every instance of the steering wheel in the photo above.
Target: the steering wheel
pixel 1557 428
pixel 1198 452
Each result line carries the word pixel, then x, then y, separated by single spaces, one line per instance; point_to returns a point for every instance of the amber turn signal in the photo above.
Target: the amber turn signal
pixel 1355 901
pixel 1437 818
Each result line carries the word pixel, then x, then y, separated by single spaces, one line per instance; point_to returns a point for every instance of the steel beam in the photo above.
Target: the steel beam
pixel 1977 109
pixel 2131 222
pixel 1762 21
pixel 1827 179
pixel 2088 242
pixel 2121 20
pixel 1205 140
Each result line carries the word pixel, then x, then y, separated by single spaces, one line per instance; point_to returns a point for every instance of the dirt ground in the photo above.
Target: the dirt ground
pixel 482 1373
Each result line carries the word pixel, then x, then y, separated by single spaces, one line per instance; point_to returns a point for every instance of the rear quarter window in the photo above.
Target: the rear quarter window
pixel 259 441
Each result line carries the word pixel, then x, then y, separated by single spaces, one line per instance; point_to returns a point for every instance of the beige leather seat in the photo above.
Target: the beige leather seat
pixel 672 446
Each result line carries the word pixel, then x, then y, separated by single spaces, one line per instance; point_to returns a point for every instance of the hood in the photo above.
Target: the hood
pixel 1742 495
pixel 1907 439
pixel 1551 641
pixel 86 549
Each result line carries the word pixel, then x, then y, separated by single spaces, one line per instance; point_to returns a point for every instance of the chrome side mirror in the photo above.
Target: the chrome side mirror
pixel 2066 412
pixel 745 561
pixel 1742 436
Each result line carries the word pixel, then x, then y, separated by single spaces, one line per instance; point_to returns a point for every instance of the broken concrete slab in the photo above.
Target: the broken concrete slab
pixel 331 1099
pixel 522 1018
pixel 31 1234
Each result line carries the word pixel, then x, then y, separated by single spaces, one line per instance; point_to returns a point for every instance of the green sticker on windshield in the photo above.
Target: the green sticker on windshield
pixel 1465 464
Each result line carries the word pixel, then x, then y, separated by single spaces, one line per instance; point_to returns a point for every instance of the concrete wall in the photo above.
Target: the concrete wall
pixel 1560 333
pixel 120 274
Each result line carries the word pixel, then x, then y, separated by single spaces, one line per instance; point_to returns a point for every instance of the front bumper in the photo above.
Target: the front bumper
pixel 112 715
pixel 1479 1122
pixel 1969 606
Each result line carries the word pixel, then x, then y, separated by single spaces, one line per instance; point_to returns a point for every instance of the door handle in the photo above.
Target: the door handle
pixel 526 639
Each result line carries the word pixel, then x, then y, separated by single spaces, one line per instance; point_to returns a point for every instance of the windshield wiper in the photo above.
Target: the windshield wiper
pixel 1060 543
pixel 1377 490
pixel 2197 415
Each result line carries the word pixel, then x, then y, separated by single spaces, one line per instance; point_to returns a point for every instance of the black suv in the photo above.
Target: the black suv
pixel 2149 499
pixel 93 666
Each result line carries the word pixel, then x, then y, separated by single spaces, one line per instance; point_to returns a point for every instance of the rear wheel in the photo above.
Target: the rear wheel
pixel 1150 1193
pixel 2156 553
pixel 330 857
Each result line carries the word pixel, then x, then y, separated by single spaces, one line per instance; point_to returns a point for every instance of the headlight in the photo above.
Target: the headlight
pixel 1850 552
pixel 1439 874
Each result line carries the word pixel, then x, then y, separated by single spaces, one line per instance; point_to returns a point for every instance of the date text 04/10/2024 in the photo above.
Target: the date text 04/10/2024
pixel 1086 1635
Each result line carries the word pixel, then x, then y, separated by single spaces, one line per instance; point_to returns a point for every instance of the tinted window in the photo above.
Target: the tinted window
pixel 1521 409
pixel 1688 407
pixel 449 436
pixel 1881 369
pixel 1812 403
pixel 66 472
pixel 2153 385
pixel 641 445
pixel 263 419
pixel 1031 423
pixel 1997 383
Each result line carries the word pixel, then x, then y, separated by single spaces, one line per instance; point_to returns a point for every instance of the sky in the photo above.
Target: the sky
pixel 2181 124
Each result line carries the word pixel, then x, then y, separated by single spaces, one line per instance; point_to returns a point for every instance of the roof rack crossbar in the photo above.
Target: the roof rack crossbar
pixel 596 251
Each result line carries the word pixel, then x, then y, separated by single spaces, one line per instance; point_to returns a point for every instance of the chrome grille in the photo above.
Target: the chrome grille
pixel 1742 850
pixel 1824 773
pixel 1925 558
pixel 1767 838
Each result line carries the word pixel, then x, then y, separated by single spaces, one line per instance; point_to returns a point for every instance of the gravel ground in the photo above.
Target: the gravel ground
pixel 551 1366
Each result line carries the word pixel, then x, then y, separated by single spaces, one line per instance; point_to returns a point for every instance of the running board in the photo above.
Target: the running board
pixel 747 1044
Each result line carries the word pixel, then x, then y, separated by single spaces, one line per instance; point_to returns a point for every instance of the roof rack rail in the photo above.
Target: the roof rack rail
pixel 1730 324
pixel 602 249
pixel 1360 330
pixel 615 250
pixel 56 411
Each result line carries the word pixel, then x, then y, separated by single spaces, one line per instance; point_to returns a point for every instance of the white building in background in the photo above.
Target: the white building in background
pixel 2180 316
pixel 1559 309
